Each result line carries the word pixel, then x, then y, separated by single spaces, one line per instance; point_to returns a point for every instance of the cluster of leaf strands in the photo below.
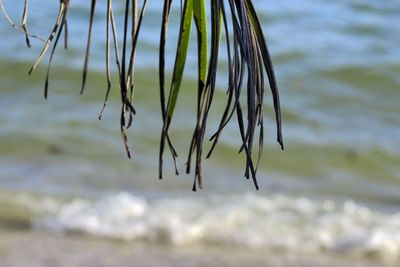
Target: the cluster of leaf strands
pixel 248 61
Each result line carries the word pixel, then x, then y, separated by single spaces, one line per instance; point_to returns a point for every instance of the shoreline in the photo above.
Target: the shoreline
pixel 39 248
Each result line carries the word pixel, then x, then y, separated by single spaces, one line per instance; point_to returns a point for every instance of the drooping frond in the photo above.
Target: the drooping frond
pixel 249 62
pixel 60 24
pixel 248 59
pixel 24 21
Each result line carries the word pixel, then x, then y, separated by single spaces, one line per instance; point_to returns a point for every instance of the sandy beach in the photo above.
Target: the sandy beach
pixel 39 249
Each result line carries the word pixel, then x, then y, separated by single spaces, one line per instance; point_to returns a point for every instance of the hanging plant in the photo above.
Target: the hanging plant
pixel 248 62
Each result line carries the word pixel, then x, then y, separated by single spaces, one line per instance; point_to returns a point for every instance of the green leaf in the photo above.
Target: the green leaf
pixel 200 18
pixel 179 66
pixel 180 60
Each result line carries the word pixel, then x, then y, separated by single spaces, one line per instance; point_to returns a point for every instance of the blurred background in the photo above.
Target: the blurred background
pixel 69 196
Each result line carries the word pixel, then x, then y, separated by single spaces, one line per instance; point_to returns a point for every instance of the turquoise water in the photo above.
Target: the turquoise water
pixel 335 190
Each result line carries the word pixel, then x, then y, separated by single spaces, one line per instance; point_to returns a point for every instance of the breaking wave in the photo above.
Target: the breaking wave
pixel 275 222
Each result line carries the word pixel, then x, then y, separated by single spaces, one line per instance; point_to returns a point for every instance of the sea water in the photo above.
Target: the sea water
pixel 331 198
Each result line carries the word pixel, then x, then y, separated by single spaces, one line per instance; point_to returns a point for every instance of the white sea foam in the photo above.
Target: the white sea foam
pixel 276 222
